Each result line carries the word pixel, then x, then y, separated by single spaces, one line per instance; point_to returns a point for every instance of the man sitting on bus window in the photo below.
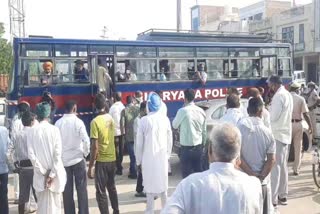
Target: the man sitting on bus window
pixel 201 74
pixel 46 77
pixel 130 76
pixel 81 74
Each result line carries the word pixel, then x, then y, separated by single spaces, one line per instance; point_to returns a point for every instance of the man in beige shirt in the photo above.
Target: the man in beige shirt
pixel 313 100
pixel 299 108
pixel 103 79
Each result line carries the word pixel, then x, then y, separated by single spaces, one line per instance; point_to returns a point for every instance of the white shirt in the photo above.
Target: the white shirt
pixel 44 151
pixel 4 142
pixel 153 149
pixel 75 140
pixel 115 112
pixel 221 189
pixel 257 142
pixel 281 114
pixel 233 115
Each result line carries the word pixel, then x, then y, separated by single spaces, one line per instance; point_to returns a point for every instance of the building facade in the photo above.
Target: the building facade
pixel 208 18
pixel 300 27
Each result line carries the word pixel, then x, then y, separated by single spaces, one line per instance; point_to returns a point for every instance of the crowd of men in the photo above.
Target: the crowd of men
pixel 236 166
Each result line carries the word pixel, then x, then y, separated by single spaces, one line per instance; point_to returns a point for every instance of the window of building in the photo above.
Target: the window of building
pixel 288 34
pixel 301 33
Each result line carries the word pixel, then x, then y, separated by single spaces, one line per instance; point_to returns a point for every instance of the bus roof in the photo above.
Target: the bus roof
pixel 146 43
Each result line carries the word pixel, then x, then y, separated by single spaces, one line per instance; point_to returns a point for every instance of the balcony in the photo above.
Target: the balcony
pixel 299 46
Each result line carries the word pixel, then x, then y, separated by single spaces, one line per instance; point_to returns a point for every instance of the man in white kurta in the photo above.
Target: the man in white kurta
pixel 222 189
pixel 281 124
pixel 154 144
pixel 44 151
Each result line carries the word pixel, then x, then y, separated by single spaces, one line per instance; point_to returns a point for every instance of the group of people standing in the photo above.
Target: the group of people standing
pixel 247 153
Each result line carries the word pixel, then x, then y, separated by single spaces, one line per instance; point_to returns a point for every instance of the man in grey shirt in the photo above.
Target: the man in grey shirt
pixel 258 149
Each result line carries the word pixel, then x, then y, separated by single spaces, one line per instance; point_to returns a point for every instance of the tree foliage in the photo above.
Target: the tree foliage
pixel 6 56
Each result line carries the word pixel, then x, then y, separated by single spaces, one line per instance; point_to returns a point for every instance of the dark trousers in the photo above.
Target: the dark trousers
pixel 119 151
pixel 190 158
pixel 139 187
pixel 76 173
pixel 104 178
pixel 265 199
pixel 130 148
pixel 4 207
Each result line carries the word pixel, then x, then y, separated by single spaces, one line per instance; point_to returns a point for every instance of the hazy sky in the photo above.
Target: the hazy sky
pixel 123 18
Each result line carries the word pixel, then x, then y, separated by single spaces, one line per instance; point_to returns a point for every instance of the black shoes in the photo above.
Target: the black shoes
pixel 132 176
pixel 140 195
pixel 283 201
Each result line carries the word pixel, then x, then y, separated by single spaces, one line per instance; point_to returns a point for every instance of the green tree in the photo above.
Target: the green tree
pixel 6 56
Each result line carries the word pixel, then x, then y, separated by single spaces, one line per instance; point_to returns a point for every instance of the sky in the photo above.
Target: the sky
pixel 85 19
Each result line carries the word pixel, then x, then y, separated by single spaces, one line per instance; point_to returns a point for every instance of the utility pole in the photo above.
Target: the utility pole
pixel 178 15
pixel 17 18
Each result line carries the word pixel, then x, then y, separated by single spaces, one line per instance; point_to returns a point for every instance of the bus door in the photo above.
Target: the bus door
pixel 106 61
pixel 269 65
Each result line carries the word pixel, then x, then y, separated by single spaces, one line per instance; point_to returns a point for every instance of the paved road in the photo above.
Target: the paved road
pixel 304 198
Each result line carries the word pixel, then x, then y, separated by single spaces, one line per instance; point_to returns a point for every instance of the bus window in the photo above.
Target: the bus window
pixel 284 52
pixel 216 69
pixel 244 52
pixel 268 66
pixel 267 51
pixel 34 50
pixel 33 72
pixel 134 51
pixel 178 69
pixel 64 69
pixel 71 50
pixel 101 49
pixel 135 70
pixel 212 52
pixel 245 68
pixel 284 67
pixel 171 52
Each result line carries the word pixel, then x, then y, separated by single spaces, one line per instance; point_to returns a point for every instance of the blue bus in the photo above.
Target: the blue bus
pixel 138 66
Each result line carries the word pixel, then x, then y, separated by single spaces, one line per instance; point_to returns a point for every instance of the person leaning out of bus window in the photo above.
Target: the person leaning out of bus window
pixel 81 74
pixel 46 76
pixel 201 74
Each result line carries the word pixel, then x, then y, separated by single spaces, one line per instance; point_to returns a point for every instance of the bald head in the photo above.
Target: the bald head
pixel 225 143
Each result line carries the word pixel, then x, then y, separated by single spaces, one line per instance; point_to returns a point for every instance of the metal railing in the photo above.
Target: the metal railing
pixel 154 30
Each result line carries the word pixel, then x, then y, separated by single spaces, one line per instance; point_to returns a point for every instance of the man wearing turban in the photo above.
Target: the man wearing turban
pixel 44 151
pixel 153 149
pixel 46 77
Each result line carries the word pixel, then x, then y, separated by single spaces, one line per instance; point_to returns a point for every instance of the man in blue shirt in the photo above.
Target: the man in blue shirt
pixel 4 141
pixel 81 74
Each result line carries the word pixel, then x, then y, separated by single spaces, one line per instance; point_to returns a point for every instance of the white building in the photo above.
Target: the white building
pixel 300 27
